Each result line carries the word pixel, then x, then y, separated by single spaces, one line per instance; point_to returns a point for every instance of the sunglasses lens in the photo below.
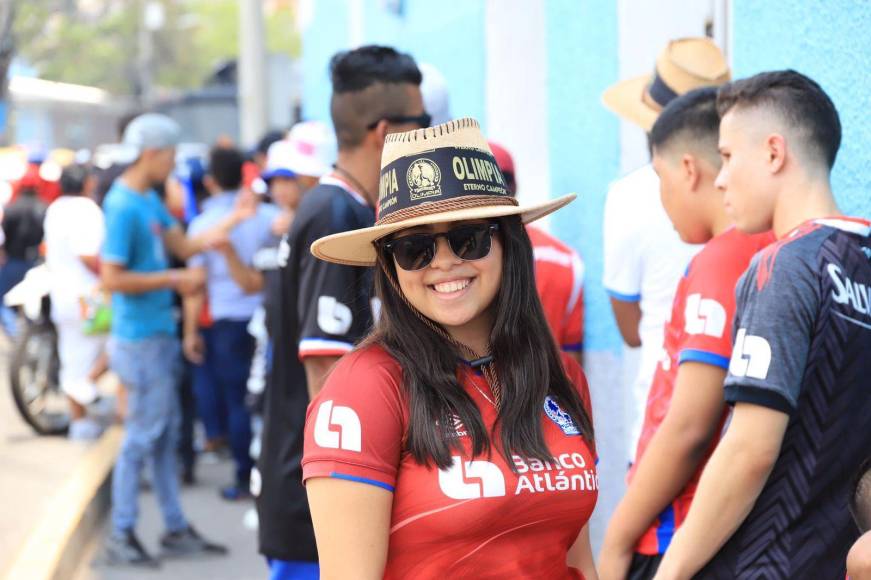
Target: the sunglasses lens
pixel 470 242
pixel 414 252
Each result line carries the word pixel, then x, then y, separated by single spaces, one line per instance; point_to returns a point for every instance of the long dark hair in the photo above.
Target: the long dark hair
pixel 526 358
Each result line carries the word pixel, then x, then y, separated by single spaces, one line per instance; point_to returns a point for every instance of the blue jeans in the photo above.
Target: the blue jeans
pixel 149 369
pixel 229 357
pixel 211 406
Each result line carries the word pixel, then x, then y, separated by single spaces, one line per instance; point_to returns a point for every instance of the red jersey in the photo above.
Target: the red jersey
pixel 559 278
pixel 700 330
pixel 476 519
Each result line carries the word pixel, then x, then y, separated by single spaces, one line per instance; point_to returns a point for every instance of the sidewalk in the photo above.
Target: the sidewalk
pixel 218 520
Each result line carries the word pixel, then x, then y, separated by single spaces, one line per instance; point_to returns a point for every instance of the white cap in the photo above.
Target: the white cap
pixel 434 90
pixel 310 149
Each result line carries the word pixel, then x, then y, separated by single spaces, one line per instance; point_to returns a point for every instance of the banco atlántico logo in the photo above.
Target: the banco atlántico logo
pixel 424 179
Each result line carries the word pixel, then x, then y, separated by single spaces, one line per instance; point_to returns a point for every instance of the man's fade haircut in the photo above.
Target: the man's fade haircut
pixel 692 120
pixel 860 501
pixel 367 87
pixel 225 167
pixel 800 103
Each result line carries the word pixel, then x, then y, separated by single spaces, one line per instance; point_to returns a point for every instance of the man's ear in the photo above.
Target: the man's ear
pixel 691 171
pixel 775 150
pixel 379 133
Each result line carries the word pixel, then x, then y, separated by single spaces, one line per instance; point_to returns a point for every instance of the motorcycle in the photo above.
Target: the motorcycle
pixel 34 365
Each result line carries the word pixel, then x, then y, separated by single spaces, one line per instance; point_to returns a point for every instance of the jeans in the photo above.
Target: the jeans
pixel 149 369
pixel 229 356
pixel 211 406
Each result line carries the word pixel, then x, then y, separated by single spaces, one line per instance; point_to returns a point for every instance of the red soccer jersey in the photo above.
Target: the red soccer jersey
pixel 476 519
pixel 559 279
pixel 700 330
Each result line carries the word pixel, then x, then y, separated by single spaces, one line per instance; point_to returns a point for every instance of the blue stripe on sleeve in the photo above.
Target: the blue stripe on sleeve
pixel 577 347
pixel 623 297
pixel 702 356
pixel 665 529
pixel 376 483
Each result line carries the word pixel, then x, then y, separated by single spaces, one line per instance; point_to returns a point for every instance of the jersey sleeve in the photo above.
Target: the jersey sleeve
pixel 333 308
pixel 120 228
pixel 709 310
pixel 778 299
pixel 572 335
pixel 622 257
pixel 355 427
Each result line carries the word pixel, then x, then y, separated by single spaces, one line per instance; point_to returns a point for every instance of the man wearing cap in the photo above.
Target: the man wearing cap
pixel 228 353
pixel 559 273
pixel 643 256
pixel 324 309
pixel 144 351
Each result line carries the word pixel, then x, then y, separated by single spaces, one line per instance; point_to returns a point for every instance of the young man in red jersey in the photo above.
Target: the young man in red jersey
pixel 772 502
pixel 685 410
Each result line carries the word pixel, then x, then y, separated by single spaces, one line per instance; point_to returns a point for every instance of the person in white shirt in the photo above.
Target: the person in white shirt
pixel 74 233
pixel 643 256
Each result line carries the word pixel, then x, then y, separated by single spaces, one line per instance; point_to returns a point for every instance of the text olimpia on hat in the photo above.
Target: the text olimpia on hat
pixel 444 173
pixel 684 65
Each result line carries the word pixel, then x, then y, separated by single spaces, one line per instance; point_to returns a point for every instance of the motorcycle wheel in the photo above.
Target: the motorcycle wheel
pixel 34 378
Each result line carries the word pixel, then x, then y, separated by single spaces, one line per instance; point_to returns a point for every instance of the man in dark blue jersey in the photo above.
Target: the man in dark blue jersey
pixel 324 308
pixel 773 499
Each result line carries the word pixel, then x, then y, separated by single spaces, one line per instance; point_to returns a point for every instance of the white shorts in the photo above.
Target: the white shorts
pixel 78 352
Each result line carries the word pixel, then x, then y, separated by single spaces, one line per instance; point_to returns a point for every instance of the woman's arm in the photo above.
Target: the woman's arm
pixel 581 555
pixel 352 527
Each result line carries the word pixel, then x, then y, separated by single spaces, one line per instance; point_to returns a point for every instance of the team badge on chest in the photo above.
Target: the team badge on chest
pixel 562 419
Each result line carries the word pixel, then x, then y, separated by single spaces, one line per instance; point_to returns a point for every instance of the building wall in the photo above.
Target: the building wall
pixel 830 42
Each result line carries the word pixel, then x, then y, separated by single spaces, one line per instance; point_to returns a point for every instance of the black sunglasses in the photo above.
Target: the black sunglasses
pixel 468 242
pixel 423 120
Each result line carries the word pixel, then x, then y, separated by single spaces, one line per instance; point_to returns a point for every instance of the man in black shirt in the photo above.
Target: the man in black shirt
pixel 324 308
pixel 773 499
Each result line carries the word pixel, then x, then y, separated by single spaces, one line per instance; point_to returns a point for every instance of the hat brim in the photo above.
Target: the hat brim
pixel 625 99
pixel 280 172
pixel 355 247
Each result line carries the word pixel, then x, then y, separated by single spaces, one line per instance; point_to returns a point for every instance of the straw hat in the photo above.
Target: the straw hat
pixel 685 64
pixel 444 173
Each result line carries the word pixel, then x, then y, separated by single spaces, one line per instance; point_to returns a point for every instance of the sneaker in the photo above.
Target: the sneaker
pixel 124 549
pixel 188 542
pixel 236 493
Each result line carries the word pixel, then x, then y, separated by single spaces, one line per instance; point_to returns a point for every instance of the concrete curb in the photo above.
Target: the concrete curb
pixel 54 547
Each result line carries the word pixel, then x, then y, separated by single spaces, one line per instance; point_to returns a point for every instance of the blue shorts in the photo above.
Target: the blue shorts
pixel 284 570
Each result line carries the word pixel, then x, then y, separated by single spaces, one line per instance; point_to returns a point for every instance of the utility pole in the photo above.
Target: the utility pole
pixel 251 73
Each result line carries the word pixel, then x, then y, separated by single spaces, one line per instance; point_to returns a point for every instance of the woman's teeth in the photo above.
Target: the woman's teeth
pixel 448 287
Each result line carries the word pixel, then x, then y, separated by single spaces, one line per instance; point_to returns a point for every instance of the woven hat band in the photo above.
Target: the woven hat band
pixel 438 175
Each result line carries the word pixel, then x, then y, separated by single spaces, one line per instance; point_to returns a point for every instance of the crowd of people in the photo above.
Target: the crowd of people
pixel 391 354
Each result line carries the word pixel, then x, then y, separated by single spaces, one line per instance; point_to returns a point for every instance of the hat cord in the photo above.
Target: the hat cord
pixel 487 368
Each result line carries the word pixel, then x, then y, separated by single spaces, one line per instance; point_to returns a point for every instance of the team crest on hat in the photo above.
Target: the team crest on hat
pixel 562 419
pixel 424 179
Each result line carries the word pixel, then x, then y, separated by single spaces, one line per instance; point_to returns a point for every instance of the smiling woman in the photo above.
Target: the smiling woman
pixel 455 438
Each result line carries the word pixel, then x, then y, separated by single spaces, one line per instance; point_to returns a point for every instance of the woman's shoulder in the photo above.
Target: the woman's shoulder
pixel 367 369
pixel 576 375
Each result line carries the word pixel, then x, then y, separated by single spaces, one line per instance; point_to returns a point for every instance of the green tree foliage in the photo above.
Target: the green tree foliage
pixel 96 42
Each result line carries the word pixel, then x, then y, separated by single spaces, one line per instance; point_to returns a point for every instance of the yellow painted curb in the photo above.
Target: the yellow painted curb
pixel 52 549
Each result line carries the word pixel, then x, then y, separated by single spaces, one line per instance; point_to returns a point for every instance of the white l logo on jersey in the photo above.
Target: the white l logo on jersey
pixel 348 437
pixel 704 316
pixel 454 484
pixel 333 316
pixel 751 356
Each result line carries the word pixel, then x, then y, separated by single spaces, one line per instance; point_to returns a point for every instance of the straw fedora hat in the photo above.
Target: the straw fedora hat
pixel 685 64
pixel 444 173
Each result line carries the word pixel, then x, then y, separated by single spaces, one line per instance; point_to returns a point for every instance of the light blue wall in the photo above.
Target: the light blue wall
pixel 584 142
pixel 830 42
pixel 448 34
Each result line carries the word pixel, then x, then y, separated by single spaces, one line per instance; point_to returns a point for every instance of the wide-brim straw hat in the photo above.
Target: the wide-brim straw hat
pixel 684 65
pixel 444 173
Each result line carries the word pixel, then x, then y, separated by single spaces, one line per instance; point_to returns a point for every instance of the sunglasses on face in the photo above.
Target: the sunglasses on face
pixel 423 120
pixel 468 242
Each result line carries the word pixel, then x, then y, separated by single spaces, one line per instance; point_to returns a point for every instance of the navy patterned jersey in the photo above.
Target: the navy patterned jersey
pixel 803 346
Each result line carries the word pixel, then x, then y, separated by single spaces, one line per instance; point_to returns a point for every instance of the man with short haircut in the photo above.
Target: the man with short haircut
pixel 685 410
pixel 144 351
pixel 325 308
pixel 772 501
pixel 226 355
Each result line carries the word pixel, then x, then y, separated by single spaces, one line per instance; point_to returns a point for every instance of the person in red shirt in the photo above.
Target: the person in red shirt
pixel 455 440
pixel 559 273
pixel 685 409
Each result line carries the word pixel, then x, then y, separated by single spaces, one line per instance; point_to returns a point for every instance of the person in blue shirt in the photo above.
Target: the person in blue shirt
pixel 227 351
pixel 144 350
